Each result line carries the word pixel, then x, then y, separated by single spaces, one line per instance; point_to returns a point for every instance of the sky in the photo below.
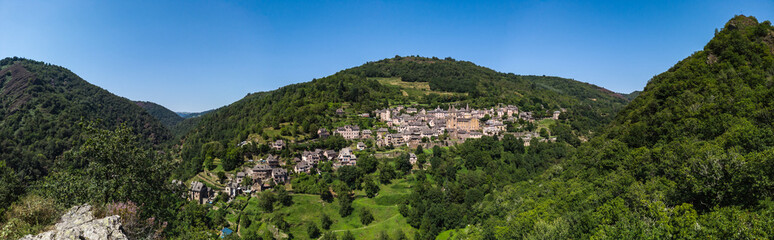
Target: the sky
pixel 198 55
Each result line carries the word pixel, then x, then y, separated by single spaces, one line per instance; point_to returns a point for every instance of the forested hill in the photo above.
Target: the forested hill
pixel 588 106
pixel 42 106
pixel 298 110
pixel 690 157
pixel 167 117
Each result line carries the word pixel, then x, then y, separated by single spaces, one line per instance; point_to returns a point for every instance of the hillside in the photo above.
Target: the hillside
pixel 42 106
pixel 296 111
pixel 187 115
pixel 167 117
pixel 588 106
pixel 690 157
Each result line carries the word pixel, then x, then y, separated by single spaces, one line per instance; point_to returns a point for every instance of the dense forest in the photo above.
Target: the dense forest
pixel 690 157
pixel 167 117
pixel 42 109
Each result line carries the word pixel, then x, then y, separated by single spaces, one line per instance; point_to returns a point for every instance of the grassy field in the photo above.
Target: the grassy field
pixel 308 209
pixel 412 89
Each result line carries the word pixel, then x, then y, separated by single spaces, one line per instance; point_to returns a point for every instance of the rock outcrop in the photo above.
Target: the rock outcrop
pixel 79 223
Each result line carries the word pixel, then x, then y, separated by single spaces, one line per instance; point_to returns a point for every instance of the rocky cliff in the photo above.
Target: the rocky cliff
pixel 79 223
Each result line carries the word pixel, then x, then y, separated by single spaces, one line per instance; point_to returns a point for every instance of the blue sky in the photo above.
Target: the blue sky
pixel 199 55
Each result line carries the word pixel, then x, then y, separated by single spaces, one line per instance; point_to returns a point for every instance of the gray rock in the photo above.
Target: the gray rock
pixel 79 223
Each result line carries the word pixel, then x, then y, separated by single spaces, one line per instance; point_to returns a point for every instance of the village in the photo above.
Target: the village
pixel 407 127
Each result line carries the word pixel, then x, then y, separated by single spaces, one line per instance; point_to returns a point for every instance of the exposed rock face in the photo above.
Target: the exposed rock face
pixel 79 223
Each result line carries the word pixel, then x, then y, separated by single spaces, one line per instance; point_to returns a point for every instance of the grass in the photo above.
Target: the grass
pixel 309 208
pixel 413 89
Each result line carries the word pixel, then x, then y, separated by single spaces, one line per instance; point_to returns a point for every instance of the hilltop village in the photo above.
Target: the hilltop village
pixel 404 128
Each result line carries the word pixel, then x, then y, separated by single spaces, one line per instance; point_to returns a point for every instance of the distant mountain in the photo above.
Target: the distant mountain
pixel 192 114
pixel 632 95
pixel 42 106
pixel 167 117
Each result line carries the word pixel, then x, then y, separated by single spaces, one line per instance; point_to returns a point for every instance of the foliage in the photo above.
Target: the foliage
pixel 371 188
pixel 689 158
pixel 345 204
pixel 167 117
pixel 325 222
pixel 366 217
pixel 312 230
pixel 266 201
pixel 41 107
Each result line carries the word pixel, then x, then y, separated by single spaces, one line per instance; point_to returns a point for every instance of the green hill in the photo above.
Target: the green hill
pixel 41 106
pixel 167 117
pixel 296 111
pixel 690 157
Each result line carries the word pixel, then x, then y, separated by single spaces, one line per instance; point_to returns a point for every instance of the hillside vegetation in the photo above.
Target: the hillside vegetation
pixel 300 109
pixel 167 117
pixel 690 157
pixel 41 106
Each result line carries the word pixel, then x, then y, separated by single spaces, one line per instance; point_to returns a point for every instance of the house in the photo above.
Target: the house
pixel 556 115
pixel 240 176
pixel 273 161
pixel 233 189
pixel 279 175
pixel 412 158
pixel 278 145
pixel 199 192
pixel 361 146
pixel 366 134
pixel 475 135
pixel 311 157
pixel 346 157
pixel 382 131
pixel 340 111
pixel 349 132
pixel 330 154
pixel 260 171
pixel 365 115
pixel 323 133
pixel 303 166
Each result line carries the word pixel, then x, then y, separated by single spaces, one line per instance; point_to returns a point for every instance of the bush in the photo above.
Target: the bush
pixel 312 230
pixel 326 222
pixel 366 217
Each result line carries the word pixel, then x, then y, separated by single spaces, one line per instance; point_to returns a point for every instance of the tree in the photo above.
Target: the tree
pixel 386 173
pixel 221 177
pixel 349 175
pixel 312 230
pixel 366 217
pixel 403 164
pixel 9 186
pixel 325 221
pixel 282 196
pixel 119 168
pixel 419 150
pixel 544 133
pixel 326 195
pixel 371 188
pixel 348 236
pixel 345 204
pixel 367 164
pixel 232 160
pixel 266 201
